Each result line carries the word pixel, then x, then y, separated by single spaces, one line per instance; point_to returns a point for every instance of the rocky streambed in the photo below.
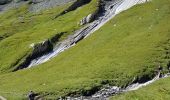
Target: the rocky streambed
pixel 107 91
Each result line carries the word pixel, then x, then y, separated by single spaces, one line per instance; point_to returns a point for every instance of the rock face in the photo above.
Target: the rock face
pixel 88 19
pixel 42 48
pixel 39 49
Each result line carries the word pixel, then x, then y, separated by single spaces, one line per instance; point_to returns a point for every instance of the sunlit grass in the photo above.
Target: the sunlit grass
pixel 132 44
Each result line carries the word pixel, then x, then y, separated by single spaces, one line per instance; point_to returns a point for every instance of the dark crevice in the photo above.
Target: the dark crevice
pixel 74 6
pixel 146 76
pixel 143 79
pixel 6 35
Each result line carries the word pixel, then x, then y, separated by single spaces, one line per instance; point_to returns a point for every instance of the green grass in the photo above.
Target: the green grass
pixel 157 91
pixel 132 44
pixel 21 28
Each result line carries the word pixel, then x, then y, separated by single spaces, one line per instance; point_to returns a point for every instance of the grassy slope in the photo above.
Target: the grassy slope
pixel 156 91
pixel 132 44
pixel 19 29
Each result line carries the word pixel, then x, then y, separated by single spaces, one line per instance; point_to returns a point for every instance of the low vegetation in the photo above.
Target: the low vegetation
pixel 132 44
pixel 20 28
pixel 156 91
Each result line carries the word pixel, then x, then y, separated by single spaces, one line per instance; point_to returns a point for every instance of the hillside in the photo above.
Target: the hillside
pixel 156 91
pixel 23 28
pixel 129 48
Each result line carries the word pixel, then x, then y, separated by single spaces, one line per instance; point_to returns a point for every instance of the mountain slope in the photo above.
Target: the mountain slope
pixel 133 44
pixel 25 28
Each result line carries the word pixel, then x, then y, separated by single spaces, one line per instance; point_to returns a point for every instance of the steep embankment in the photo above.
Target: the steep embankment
pixel 21 28
pixel 107 10
pixel 129 48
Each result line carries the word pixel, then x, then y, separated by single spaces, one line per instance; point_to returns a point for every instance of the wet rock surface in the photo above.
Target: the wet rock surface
pixel 108 91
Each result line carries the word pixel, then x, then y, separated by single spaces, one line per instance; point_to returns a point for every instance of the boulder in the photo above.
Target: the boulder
pixel 87 19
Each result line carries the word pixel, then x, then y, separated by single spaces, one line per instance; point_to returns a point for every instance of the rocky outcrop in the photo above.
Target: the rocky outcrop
pixel 99 12
pixel 39 49
pixel 88 19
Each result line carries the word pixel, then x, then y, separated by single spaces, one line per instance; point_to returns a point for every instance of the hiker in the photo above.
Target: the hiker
pixel 160 68
pixel 31 95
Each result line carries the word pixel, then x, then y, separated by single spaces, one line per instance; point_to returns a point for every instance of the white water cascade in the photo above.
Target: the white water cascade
pixel 112 8
pixel 109 91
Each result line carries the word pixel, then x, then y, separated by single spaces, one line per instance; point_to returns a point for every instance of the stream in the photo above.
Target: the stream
pixel 107 91
pixel 112 8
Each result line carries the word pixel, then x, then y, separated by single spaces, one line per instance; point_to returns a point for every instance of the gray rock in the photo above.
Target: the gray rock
pixel 35 5
pixel 39 5
pixel 87 19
